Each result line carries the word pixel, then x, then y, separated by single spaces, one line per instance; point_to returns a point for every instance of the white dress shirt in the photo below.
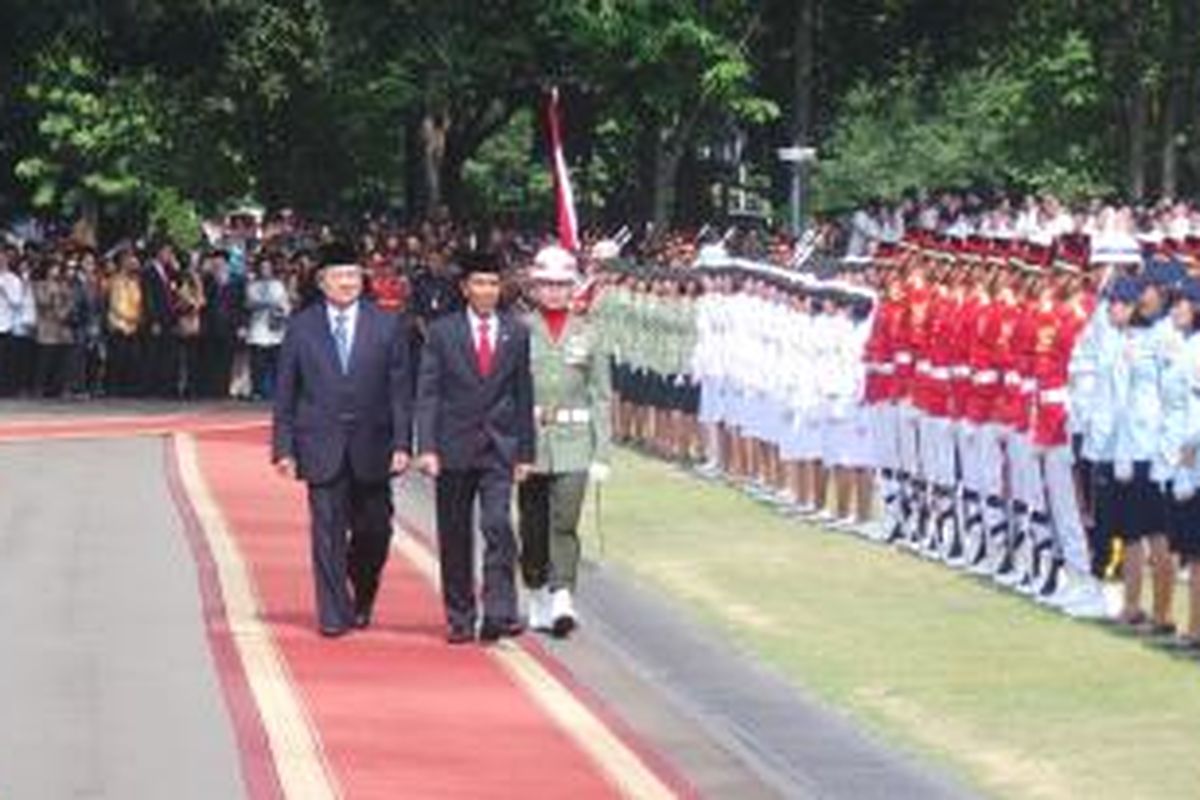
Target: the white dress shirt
pixel 10 300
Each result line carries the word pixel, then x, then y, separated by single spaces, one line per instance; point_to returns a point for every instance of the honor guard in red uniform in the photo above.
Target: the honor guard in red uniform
pixel 910 337
pixel 1026 497
pixel 973 299
pixel 880 391
pixel 1062 313
pixel 937 432
pixel 986 531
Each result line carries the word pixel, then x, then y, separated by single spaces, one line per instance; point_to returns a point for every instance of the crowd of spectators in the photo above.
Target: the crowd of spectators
pixel 146 318
pixel 1037 218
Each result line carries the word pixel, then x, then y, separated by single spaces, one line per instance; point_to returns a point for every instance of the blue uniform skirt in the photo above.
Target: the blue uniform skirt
pixel 1130 510
pixel 1183 524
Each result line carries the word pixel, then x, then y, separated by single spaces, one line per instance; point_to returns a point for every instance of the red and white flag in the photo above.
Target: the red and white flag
pixel 564 196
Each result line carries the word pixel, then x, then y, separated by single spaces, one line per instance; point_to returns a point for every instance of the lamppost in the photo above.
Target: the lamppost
pixel 797 158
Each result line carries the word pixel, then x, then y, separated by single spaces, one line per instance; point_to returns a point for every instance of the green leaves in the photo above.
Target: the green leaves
pixel 97 136
pixel 1026 120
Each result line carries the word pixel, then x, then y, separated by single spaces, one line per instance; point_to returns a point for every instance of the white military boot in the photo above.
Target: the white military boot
pixel 1084 597
pixel 562 613
pixel 539 609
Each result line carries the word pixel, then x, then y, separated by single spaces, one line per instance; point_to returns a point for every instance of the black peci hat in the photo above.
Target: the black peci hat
pixel 337 254
pixel 478 261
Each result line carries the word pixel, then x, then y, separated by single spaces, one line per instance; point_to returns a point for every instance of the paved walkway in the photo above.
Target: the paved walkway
pixel 107 687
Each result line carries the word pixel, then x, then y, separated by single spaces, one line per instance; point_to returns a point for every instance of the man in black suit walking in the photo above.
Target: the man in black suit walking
pixel 475 435
pixel 343 424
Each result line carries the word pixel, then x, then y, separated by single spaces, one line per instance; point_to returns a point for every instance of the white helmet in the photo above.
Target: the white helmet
pixel 553 264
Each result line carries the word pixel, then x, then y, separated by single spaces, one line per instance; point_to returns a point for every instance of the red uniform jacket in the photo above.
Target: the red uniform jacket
pixel 1058 328
pixel 984 362
pixel 965 316
pixel 910 341
pixel 878 355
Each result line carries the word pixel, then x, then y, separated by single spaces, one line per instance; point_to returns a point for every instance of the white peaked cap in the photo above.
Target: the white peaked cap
pixel 1112 247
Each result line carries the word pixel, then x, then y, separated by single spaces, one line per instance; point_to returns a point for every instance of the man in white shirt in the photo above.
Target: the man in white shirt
pixel 10 302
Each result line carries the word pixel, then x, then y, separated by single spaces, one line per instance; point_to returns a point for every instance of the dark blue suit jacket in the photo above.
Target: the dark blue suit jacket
pixel 324 418
pixel 461 414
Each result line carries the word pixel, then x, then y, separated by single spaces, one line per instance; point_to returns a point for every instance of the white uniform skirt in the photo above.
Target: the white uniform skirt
pixel 733 401
pixel 757 414
pixel 848 441
pixel 803 440
pixel 712 400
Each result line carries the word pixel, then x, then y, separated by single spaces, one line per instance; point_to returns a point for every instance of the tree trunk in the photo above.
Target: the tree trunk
pixel 691 203
pixel 415 203
pixel 803 70
pixel 435 127
pixel 1136 99
pixel 1173 102
pixel 86 230
pixel 1189 21
pixel 451 182
pixel 1138 104
pixel 668 155
pixel 640 193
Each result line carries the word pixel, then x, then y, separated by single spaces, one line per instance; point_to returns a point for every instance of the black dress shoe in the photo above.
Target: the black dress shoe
pixel 457 635
pixel 563 626
pixel 333 633
pixel 362 620
pixel 491 630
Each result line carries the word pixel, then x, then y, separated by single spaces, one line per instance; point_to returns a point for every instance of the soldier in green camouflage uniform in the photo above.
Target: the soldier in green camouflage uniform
pixel 572 394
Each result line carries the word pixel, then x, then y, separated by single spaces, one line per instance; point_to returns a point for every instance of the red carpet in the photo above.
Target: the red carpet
pixel 21 428
pixel 399 713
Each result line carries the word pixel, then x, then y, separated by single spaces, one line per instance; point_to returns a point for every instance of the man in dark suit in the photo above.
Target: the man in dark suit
pixel 158 296
pixel 343 424
pixel 476 437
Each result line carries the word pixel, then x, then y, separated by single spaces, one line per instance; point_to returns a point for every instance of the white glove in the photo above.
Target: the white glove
pixel 598 473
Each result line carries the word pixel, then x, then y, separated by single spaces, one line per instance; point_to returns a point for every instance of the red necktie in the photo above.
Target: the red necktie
pixel 484 350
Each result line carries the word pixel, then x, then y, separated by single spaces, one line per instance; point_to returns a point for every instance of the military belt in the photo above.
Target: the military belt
pixel 551 415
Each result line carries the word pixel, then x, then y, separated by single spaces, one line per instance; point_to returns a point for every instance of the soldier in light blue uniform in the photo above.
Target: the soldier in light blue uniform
pixel 1093 365
pixel 1180 439
pixel 1138 501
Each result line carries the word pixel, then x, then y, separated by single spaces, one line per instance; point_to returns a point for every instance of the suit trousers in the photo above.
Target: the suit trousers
pixel 456 494
pixel 160 376
pixel 8 372
pixel 123 376
pixel 550 506
pixel 351 531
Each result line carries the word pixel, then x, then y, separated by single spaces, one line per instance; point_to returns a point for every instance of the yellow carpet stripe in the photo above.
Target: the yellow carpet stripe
pixel 295 748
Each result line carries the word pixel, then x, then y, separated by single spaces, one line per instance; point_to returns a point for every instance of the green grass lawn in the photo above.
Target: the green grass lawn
pixel 1017 700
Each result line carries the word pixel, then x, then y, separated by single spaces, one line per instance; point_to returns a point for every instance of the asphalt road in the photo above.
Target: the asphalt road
pixel 107 686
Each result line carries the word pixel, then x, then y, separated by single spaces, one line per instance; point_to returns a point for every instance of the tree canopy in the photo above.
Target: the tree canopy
pixel 136 111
